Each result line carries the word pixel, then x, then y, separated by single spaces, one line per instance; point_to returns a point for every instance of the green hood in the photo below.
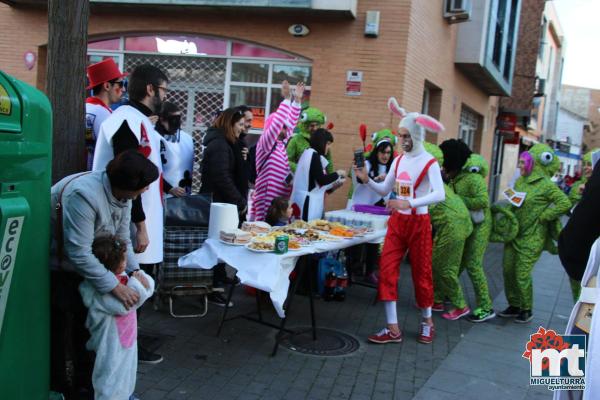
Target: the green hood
pixel 435 151
pixel 546 162
pixel 477 164
pixel 308 115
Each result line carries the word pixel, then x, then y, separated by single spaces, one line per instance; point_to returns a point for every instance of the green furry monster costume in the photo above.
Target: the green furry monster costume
pixel 471 186
pixel 451 222
pixel 544 203
pixel 301 140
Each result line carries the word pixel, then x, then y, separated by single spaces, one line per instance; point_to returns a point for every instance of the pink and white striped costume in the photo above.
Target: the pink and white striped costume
pixel 270 180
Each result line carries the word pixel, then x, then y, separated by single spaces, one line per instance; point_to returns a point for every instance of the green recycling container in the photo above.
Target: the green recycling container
pixel 25 163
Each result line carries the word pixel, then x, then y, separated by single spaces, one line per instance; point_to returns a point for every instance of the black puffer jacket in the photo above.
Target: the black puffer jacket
pixel 220 166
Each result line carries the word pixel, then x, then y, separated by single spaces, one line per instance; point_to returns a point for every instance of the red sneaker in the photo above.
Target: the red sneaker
pixel 457 313
pixel 438 307
pixel 427 333
pixel 385 336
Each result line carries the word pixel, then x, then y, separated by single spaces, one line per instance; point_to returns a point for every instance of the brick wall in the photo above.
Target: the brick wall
pixel 526 57
pixel 415 44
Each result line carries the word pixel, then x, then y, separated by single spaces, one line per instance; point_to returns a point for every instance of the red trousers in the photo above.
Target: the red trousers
pixel 413 233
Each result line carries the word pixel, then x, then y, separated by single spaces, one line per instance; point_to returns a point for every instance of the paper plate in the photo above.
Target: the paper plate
pixel 256 250
pixel 232 244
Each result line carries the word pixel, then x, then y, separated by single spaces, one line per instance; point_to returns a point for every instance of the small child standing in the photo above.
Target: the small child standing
pixel 113 328
pixel 280 212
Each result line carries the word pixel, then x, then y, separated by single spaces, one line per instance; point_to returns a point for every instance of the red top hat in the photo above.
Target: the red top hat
pixel 104 71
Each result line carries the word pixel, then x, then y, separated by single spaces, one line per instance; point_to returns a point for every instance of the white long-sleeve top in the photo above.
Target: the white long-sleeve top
pixel 406 173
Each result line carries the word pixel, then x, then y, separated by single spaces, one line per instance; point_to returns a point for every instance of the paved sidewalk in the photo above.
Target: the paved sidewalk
pixel 487 363
pixel 237 365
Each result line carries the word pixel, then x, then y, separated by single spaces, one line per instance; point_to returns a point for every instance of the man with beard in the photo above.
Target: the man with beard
pixel 130 128
pixel 414 182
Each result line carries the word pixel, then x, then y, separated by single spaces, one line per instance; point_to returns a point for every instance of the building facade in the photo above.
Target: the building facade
pixel 585 102
pixel 519 108
pixel 449 62
pixel 570 128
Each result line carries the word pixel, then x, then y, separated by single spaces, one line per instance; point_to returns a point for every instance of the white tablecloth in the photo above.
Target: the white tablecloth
pixel 265 271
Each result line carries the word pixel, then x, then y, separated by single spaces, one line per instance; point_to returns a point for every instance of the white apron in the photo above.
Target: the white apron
pixel 591 296
pixel 179 157
pixel 152 198
pixel 300 190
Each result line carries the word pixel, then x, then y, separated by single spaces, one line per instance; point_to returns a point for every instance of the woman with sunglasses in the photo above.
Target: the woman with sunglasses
pixel 106 83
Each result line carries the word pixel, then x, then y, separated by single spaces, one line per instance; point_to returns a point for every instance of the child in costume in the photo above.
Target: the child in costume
pixel 280 212
pixel 416 182
pixel 579 186
pixel 113 328
pixel 272 167
pixel 543 203
pixel 311 119
pixel 452 225
pixel 469 182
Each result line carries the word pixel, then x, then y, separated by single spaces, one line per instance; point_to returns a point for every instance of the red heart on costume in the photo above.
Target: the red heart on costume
pixel 145 150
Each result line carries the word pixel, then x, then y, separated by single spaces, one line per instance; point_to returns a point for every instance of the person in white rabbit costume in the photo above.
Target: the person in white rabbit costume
pixel 415 181
pixel 113 327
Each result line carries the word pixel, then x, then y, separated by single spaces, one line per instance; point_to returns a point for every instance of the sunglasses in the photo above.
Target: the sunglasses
pixel 121 84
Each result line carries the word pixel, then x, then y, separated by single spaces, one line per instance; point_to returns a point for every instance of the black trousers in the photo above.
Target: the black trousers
pixel 71 363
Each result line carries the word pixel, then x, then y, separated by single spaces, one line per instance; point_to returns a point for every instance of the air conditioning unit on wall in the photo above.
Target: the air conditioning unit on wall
pixel 457 10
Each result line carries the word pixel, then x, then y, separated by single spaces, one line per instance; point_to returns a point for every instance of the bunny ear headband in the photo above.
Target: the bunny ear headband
pixel 395 108
pixel 427 122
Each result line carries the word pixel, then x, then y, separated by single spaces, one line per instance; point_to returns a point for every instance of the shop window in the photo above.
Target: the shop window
pixel 292 73
pixel 176 45
pixel 110 44
pixel 209 74
pixel 253 97
pixel 250 50
pixel 276 99
pixel 249 72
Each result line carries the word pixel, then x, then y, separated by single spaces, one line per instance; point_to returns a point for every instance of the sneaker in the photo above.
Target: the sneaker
pixel 524 317
pixel 481 315
pixel 385 336
pixel 427 333
pixel 372 278
pixel 457 313
pixel 438 307
pixel 218 300
pixel 510 312
pixel 148 357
